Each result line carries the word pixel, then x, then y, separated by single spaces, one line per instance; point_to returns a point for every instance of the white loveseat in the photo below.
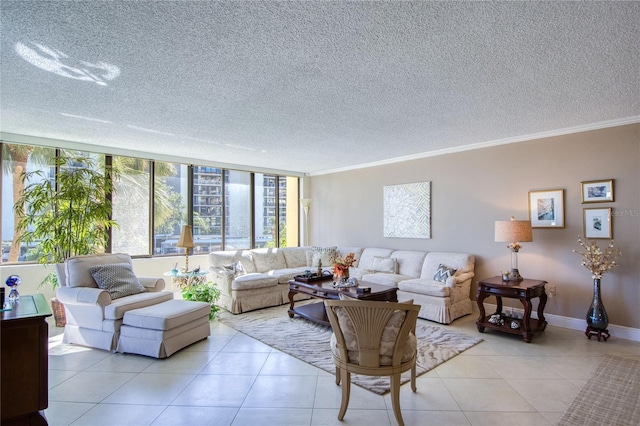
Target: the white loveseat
pixel 255 279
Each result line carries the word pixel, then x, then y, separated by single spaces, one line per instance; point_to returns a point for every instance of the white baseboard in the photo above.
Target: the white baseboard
pixel 580 324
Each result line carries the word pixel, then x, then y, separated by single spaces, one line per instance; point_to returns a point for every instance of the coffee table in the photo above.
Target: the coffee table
pixel 325 290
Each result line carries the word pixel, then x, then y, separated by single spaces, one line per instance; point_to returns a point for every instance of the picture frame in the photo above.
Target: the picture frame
pixel 546 208
pixel 597 223
pixel 597 191
pixel 407 210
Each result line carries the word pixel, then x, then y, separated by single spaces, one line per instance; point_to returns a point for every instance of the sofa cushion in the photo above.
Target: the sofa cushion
pixel 325 254
pixel 117 278
pixel 116 309
pixel 295 257
pixel 77 267
pixel 409 262
pixel 425 286
pixel 218 259
pixel 366 258
pixel 462 262
pixel 391 280
pixel 443 273
pixel 268 259
pixel 252 281
pixel 384 264
pixel 286 274
pixel 167 315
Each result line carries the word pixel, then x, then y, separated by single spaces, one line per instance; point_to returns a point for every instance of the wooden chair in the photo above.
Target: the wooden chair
pixel 373 339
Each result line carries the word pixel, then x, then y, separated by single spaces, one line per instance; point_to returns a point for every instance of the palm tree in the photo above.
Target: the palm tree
pixel 15 162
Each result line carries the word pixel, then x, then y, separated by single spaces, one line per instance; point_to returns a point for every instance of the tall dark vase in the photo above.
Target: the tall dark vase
pixel 597 319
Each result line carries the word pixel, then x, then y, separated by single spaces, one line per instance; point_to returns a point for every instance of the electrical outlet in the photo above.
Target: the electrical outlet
pixel 551 290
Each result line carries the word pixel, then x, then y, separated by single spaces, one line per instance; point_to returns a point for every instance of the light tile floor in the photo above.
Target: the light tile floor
pixel 232 379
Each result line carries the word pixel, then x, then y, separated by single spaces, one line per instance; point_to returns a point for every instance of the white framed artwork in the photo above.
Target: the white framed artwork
pixel 407 210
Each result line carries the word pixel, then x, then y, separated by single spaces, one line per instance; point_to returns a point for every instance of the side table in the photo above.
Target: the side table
pixel 181 280
pixel 524 290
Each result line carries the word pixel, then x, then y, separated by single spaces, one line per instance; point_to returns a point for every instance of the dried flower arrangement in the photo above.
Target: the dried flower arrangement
pixel 342 264
pixel 597 260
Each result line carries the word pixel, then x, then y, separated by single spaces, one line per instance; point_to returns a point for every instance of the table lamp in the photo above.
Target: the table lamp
pixel 514 232
pixel 186 241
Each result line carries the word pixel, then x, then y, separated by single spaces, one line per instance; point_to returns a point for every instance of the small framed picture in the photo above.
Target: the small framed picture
pixel 546 208
pixel 597 223
pixel 597 191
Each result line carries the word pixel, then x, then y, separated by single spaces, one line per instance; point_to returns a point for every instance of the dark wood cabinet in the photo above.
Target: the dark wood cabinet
pixel 24 357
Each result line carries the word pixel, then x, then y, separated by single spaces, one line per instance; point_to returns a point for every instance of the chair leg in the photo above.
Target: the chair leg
pixel 346 391
pixel 395 398
pixel 337 375
pixel 413 378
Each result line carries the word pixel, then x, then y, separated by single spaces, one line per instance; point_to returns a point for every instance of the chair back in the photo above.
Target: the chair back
pixel 77 267
pixel 371 334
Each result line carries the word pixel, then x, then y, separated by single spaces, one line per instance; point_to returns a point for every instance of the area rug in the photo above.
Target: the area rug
pixel 309 342
pixel 610 396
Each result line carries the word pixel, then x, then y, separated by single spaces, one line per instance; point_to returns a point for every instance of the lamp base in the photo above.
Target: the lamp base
pixel 514 275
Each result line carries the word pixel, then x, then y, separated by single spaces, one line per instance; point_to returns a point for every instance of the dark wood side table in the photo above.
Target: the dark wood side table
pixel 524 290
pixel 25 361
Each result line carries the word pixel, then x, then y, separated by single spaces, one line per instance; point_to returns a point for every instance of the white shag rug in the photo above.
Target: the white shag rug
pixel 309 342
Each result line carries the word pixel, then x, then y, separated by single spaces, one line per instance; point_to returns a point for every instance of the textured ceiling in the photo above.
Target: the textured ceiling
pixel 314 86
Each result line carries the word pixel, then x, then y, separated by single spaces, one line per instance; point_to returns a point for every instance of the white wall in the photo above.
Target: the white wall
pixel 473 189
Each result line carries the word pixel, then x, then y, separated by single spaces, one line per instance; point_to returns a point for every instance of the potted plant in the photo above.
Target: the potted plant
pixel 203 292
pixel 67 216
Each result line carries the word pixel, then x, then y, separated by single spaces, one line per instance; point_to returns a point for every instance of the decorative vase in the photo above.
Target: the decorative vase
pixel 341 276
pixel 597 318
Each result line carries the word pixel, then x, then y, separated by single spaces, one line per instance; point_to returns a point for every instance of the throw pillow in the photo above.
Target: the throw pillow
pixel 325 254
pixel 385 264
pixel 443 273
pixel 236 268
pixel 116 278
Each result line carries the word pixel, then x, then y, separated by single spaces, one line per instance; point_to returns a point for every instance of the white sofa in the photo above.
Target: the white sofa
pixel 255 279
pixel 93 318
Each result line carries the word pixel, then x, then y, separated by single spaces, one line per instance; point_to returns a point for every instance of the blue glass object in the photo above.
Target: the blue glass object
pixel 13 282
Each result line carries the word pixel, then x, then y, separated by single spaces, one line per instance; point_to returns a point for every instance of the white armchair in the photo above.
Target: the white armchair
pixel 94 312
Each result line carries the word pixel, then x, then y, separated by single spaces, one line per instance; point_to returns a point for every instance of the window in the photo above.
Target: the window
pixel 169 206
pixel 228 209
pixel 130 204
pixel 237 189
pixel 17 159
pixel 207 209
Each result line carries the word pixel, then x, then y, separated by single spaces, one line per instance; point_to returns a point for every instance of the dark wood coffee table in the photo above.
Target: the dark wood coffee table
pixel 325 290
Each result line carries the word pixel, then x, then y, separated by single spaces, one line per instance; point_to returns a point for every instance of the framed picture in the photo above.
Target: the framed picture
pixel 546 208
pixel 407 210
pixel 597 191
pixel 597 223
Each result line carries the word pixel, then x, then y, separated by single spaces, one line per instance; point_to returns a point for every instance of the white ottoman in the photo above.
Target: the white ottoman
pixel 163 329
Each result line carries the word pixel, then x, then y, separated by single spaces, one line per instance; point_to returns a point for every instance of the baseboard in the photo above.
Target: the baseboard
pixel 579 324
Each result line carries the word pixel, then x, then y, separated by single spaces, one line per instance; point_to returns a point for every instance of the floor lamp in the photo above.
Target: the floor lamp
pixel 306 203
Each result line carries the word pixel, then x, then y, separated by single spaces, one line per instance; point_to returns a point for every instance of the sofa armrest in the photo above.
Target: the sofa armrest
pixel 458 280
pixel 152 284
pixel 223 279
pixel 83 295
